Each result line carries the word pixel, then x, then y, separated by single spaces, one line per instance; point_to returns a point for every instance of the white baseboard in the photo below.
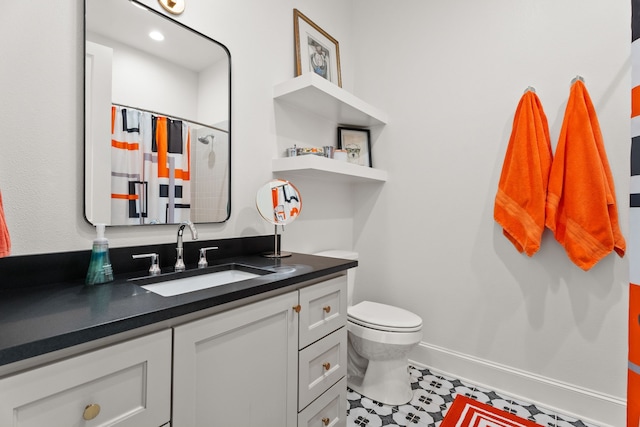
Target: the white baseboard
pixel 590 406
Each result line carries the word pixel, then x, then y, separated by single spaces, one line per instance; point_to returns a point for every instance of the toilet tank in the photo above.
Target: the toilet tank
pixel 351 273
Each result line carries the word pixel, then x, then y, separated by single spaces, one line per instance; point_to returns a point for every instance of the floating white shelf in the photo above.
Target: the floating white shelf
pixel 310 92
pixel 319 96
pixel 322 168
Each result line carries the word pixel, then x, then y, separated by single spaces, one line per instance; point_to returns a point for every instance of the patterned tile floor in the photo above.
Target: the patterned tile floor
pixel 433 394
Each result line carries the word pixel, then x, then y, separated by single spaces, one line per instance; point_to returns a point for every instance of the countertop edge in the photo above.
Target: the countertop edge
pixel 78 337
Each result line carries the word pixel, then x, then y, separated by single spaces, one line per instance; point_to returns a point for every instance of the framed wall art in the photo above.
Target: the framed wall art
pixel 316 51
pixel 357 143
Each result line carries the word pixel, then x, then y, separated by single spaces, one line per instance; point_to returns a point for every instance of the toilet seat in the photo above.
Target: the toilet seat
pixel 383 317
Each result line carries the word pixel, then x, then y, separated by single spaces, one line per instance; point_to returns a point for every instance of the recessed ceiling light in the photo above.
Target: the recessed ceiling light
pixel 156 35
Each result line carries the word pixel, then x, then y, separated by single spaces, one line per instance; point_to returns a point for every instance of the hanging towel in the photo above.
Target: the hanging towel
pixel 5 239
pixel 581 205
pixel 174 136
pixel 520 201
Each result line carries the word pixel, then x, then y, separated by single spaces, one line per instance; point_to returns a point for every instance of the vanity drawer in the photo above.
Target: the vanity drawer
pixel 330 409
pixel 323 309
pixel 127 384
pixel 320 366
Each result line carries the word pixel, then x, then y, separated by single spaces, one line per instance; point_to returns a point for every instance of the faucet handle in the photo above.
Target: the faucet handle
pixel 202 263
pixel 154 270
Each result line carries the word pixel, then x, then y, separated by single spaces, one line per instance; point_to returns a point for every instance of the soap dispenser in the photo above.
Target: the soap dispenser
pixel 100 270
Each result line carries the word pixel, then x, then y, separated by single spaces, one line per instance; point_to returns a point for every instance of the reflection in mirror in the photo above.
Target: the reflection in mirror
pixel 278 202
pixel 157 119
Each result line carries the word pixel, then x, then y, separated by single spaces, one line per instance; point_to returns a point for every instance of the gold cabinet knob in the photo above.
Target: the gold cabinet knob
pixel 326 421
pixel 327 309
pixel 326 366
pixel 297 308
pixel 91 411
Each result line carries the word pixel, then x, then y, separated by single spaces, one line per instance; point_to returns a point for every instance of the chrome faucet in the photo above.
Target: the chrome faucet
pixel 194 235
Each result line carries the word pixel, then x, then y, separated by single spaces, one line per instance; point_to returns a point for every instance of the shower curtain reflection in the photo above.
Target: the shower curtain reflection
pixel 150 168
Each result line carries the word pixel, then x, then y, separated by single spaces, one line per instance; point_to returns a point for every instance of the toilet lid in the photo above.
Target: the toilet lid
pixel 384 317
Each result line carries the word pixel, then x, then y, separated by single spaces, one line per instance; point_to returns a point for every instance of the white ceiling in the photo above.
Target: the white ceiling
pixel 123 21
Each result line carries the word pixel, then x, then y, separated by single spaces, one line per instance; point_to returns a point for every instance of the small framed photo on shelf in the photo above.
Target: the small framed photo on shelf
pixel 316 51
pixel 357 143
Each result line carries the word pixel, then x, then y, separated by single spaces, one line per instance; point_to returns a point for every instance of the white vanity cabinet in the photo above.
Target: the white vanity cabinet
pixel 323 309
pixel 330 409
pixel 322 358
pixel 275 362
pixel 126 384
pixel 279 362
pixel 238 367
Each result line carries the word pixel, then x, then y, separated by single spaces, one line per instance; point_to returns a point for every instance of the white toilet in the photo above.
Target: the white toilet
pixel 380 338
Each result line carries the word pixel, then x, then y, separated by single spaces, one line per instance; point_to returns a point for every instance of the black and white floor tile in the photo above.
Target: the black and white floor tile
pixel 433 394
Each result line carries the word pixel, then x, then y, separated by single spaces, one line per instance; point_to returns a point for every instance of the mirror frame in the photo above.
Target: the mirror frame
pixel 173 21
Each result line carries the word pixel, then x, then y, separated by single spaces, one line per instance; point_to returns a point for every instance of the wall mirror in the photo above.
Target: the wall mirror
pixel 157 119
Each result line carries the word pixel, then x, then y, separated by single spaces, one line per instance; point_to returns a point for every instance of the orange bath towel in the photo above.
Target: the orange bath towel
pixel 520 201
pixel 581 202
pixel 5 240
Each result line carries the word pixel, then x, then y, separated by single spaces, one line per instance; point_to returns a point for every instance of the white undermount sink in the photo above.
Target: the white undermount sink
pixel 229 274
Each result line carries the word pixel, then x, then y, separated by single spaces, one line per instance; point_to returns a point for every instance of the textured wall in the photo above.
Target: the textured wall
pixel 450 75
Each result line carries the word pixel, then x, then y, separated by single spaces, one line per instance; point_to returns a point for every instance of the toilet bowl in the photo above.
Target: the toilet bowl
pixel 380 337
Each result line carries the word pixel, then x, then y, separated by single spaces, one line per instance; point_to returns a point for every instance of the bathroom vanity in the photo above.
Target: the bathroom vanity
pixel 268 351
pixel 283 352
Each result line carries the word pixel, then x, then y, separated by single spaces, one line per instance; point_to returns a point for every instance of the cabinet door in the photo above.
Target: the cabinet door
pixel 323 309
pixel 329 410
pixel 127 384
pixel 321 365
pixel 238 368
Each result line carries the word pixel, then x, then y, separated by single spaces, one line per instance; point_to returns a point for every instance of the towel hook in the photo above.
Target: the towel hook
pixel 576 78
pixel 530 88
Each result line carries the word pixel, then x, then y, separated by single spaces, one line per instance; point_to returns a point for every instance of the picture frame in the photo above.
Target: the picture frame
pixel 315 50
pixel 357 143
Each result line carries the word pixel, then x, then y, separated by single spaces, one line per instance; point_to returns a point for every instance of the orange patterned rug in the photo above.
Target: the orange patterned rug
pixel 467 412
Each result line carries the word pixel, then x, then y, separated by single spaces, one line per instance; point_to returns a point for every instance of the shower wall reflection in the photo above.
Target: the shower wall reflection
pixel 210 184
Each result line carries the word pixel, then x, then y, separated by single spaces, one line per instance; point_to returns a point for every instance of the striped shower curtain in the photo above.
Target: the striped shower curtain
pixel 633 382
pixel 150 168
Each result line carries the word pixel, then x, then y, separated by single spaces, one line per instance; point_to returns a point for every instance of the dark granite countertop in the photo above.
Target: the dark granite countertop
pixel 47 318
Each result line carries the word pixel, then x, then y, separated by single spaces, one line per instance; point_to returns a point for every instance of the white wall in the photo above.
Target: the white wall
pixel 213 94
pixel 41 112
pixel 137 76
pixel 450 74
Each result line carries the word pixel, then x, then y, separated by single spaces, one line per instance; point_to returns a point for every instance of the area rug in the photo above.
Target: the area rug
pixel 467 412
